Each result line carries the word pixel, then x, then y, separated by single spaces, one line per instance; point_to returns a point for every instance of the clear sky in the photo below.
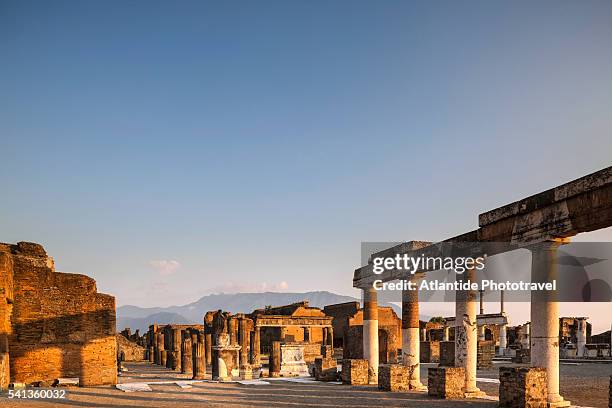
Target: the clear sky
pixel 173 149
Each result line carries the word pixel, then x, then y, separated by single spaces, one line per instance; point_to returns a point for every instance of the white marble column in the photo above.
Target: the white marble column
pixel 545 320
pixel 466 336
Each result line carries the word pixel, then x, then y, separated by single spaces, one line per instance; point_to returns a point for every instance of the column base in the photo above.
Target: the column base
pixel 474 393
pixel 558 403
pixel 416 386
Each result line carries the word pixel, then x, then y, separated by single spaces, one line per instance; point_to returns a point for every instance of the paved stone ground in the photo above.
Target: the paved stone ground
pixel 583 384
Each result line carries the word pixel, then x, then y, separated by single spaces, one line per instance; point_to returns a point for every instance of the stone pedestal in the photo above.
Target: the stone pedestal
pixel 325 369
pixel 446 382
pixel 393 377
pixel 355 372
pixel 522 387
pixel 292 360
pixel 225 358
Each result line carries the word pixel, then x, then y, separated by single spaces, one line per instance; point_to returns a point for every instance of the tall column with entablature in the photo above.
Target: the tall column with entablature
pixel 545 318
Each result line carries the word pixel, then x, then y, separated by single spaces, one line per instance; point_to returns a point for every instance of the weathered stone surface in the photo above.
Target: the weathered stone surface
pixel 446 382
pixel 393 377
pixel 485 354
pixel 56 318
pixel 186 355
pixel 292 360
pixel 355 372
pixel 128 350
pixel 522 387
pixel 325 369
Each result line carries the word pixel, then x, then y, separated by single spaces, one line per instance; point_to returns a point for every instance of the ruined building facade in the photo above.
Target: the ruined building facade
pixel 52 324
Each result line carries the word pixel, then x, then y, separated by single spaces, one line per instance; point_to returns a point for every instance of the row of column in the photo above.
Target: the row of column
pixel 189 351
pixel 544 339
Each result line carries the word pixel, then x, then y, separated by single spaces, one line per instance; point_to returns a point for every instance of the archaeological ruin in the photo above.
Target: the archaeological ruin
pixel 547 221
pixel 52 324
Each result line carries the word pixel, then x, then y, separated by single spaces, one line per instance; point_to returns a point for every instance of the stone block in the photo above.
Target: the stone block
pixel 485 354
pixel 325 369
pixel 522 387
pixel 355 372
pixel 446 382
pixel 393 377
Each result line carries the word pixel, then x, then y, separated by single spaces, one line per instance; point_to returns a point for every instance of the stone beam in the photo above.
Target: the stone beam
pixel 581 205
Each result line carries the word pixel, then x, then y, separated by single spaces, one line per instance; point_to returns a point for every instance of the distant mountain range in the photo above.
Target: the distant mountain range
pixel 136 317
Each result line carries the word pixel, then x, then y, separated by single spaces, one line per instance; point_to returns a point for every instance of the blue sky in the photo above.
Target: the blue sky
pixel 249 145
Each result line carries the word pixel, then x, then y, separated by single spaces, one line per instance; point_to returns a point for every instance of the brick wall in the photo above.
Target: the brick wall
pixel 60 325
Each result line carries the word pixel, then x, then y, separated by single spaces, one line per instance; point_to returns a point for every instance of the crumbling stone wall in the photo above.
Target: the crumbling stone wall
pixel 129 350
pixel 59 325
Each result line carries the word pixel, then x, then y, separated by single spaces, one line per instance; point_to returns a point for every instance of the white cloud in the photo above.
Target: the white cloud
pixel 165 267
pixel 249 287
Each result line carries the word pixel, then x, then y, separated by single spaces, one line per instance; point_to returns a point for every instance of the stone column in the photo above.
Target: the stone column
pixel 370 332
pixel 186 350
pixel 156 349
pixel 199 367
pixel 164 358
pixel 410 338
pixel 233 331
pixel 330 337
pixel 275 363
pixel 502 340
pixel 424 334
pixel 283 333
pixel 324 336
pixel 244 339
pixel 581 337
pixel 307 334
pixel 208 348
pixel 255 350
pixel 161 348
pixel 545 319
pixel 466 336
pixel 175 363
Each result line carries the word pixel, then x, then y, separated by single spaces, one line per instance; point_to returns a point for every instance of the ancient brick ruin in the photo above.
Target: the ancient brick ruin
pixel 52 324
